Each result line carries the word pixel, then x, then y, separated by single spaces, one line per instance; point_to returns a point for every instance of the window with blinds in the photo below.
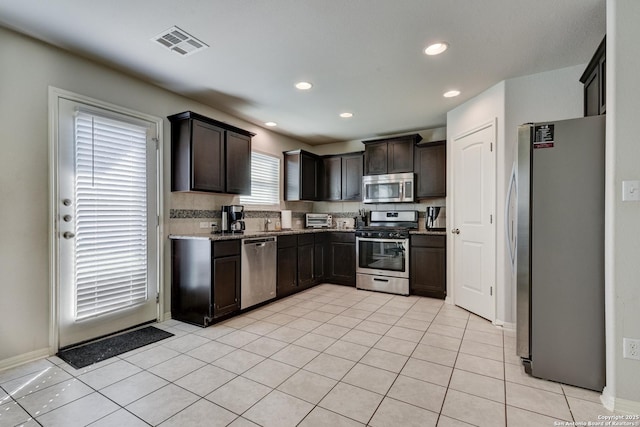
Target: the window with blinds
pixel 265 180
pixel 110 215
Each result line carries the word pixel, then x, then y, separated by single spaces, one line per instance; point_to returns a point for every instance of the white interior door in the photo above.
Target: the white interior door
pixel 106 221
pixel 474 221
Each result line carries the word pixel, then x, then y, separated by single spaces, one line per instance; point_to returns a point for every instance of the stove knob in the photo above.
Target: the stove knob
pixel 380 234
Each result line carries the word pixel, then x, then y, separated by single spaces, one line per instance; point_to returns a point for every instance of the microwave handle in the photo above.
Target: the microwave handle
pixel 408 191
pixel 402 183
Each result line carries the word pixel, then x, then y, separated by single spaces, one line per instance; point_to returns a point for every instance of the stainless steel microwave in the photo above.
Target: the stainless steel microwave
pixel 317 220
pixel 390 188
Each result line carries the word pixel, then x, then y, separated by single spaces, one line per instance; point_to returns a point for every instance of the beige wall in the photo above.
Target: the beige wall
pixel 622 218
pixel 28 68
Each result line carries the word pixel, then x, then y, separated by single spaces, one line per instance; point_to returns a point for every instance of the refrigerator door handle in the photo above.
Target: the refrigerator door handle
pixel 509 225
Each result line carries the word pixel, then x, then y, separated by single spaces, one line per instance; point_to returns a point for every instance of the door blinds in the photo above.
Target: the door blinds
pixel 110 215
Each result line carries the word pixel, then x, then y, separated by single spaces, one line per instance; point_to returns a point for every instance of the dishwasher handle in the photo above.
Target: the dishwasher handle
pixel 259 242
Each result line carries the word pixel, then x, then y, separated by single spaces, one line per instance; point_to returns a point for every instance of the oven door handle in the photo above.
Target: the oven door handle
pixel 367 239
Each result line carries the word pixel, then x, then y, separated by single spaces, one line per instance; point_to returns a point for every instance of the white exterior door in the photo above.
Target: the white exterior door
pixel 474 241
pixel 105 207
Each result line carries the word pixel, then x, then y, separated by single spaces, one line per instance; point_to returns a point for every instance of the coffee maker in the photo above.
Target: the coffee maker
pixel 233 219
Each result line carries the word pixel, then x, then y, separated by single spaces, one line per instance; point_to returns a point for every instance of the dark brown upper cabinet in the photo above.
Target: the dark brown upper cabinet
pixel 302 174
pixel 342 177
pixel 209 156
pixel 430 165
pixel 352 167
pixel 332 178
pixel 594 80
pixel 389 155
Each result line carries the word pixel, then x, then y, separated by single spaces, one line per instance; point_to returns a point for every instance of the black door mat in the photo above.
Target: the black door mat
pixel 97 351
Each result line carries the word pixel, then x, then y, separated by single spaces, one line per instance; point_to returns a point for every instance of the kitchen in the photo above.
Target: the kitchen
pixel 25 241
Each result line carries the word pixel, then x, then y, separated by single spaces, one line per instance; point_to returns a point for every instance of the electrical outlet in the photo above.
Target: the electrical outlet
pixel 631 348
pixel 204 225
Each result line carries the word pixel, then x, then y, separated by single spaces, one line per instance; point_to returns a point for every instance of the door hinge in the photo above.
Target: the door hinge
pixel 157 142
pixel 491 219
pixel 157 298
pixel 491 291
pixel 491 147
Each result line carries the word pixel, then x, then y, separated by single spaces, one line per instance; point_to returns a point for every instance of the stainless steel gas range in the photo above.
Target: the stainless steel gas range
pixel 382 252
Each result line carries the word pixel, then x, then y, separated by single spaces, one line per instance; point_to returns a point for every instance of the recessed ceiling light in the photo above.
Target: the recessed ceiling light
pixel 271 124
pixel 451 93
pixel 436 48
pixel 304 85
pixel 346 115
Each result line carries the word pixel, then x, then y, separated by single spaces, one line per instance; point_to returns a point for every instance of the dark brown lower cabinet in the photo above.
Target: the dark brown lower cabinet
pixel 320 250
pixel 226 271
pixel 342 258
pixel 428 266
pixel 305 261
pixel 205 282
pixel 287 270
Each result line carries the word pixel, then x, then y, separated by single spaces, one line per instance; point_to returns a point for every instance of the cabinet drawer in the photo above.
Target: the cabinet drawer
pixel 428 241
pixel 305 239
pixel 226 248
pixel 345 237
pixel 287 241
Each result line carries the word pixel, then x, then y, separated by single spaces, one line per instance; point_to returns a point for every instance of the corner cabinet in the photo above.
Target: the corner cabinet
pixel 209 156
pixel 205 280
pixel 427 258
pixel 430 165
pixel 302 171
pixel 389 155
pixel 342 177
pixel 594 80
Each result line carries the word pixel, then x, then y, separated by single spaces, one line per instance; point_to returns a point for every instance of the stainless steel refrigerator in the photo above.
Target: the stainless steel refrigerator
pixel 560 251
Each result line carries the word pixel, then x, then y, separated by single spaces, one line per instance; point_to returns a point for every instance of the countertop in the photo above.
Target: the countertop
pixel 252 234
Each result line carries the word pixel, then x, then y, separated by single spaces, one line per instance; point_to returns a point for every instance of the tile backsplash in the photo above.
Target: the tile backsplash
pixel 188 210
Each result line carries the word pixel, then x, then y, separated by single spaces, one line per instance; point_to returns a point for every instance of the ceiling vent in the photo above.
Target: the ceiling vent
pixel 179 41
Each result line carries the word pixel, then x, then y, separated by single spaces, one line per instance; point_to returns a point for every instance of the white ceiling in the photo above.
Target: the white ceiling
pixel 363 56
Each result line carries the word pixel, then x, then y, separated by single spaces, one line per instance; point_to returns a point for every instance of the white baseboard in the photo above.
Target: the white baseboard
pixel 509 326
pixel 166 316
pixel 23 358
pixel 617 404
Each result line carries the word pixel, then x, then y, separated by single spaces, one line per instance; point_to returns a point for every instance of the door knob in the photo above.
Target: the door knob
pixel 68 235
pixel 455 231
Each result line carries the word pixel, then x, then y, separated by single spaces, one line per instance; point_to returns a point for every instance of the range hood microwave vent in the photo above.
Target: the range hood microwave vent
pixel 179 41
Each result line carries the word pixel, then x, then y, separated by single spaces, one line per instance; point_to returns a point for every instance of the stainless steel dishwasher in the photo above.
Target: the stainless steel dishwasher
pixel 258 283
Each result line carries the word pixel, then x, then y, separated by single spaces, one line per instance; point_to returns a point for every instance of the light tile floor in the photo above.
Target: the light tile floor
pixel 329 356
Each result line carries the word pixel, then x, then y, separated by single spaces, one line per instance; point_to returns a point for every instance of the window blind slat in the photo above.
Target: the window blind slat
pixel 110 215
pixel 265 180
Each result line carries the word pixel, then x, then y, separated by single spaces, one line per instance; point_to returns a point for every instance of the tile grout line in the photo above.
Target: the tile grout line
pixel 446 392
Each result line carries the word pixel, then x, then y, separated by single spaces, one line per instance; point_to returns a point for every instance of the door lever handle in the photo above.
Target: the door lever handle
pixel 455 231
